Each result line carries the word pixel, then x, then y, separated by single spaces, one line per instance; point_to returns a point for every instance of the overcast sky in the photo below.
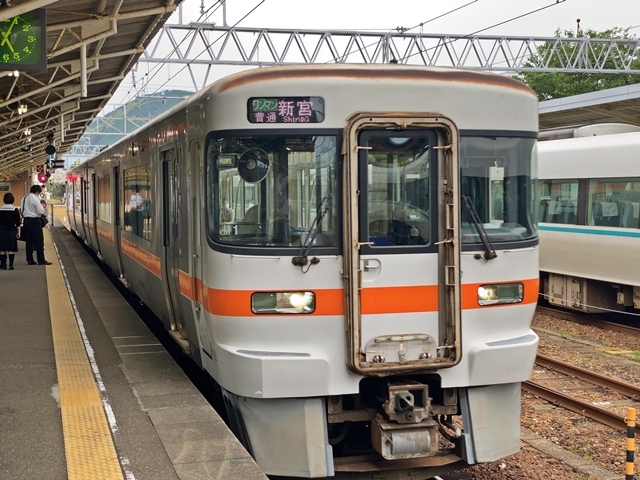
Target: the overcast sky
pixel 384 15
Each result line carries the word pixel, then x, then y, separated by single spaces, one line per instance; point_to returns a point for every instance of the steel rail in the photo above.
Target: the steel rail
pixel 598 414
pixel 585 320
pixel 612 384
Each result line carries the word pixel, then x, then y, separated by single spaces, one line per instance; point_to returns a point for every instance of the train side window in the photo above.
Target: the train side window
pixel 614 202
pixel 559 201
pixel 138 206
pixel 104 198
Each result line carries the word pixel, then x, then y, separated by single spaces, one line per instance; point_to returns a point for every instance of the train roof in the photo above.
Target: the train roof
pixel 364 72
pixel 471 89
pixel 602 156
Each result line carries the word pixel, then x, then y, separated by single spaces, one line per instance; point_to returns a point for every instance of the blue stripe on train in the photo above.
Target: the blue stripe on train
pixel 614 232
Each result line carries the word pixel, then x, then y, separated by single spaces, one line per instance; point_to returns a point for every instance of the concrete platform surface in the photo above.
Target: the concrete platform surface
pixel 160 424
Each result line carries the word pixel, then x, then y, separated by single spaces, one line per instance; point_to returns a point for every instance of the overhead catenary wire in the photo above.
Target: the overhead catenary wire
pixel 203 51
pixel 156 69
pixel 555 3
pixel 421 24
pixel 200 21
pixel 403 30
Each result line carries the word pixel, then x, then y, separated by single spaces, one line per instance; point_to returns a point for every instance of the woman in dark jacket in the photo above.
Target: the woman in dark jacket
pixel 9 231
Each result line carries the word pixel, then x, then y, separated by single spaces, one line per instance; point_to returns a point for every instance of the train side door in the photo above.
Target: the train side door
pixel 117 220
pixel 84 189
pixel 94 214
pixel 401 254
pixel 173 251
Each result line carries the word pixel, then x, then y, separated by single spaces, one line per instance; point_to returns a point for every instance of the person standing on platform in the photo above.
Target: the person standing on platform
pixel 9 231
pixel 32 210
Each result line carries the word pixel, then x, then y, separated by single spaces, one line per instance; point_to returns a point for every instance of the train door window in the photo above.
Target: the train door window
pixel 614 202
pixel 277 191
pixel 498 177
pixel 77 195
pixel 558 201
pixel 104 198
pixel 397 186
pixel 138 210
pixel 85 195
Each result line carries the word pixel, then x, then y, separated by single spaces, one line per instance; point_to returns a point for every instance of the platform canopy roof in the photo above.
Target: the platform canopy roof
pixel 90 46
pixel 614 105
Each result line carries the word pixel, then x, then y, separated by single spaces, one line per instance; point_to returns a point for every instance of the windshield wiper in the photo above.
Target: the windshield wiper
pixel 302 259
pixel 489 252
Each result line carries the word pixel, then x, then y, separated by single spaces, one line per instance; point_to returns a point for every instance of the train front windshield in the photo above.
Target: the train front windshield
pixel 273 190
pixel 498 186
pixel 282 190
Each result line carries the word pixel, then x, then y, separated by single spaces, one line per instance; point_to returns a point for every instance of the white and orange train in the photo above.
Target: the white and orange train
pixel 351 252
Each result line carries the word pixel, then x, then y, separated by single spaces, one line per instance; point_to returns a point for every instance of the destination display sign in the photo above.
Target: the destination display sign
pixel 285 109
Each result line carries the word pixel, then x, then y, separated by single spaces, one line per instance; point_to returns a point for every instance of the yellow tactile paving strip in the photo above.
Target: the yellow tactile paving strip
pixel 88 445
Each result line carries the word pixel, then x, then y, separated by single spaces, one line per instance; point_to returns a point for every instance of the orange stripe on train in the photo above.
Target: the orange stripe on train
pixel 376 300
pixel 140 255
pixel 107 235
pixel 381 300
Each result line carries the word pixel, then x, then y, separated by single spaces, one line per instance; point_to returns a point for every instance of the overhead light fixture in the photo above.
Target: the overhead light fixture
pixel 27 132
pixel 22 108
pixel 15 73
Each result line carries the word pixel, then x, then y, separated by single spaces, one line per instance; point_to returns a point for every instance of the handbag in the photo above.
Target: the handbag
pixel 43 221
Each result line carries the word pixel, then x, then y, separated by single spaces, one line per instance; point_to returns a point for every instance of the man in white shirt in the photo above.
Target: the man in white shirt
pixel 32 210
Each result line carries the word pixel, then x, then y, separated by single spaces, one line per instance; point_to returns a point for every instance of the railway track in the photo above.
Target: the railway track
pixel 586 320
pixel 583 408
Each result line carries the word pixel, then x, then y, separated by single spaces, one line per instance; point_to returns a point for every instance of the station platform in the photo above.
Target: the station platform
pixel 87 391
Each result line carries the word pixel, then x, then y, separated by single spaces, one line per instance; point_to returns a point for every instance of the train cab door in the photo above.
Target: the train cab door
pixel 172 238
pixel 402 274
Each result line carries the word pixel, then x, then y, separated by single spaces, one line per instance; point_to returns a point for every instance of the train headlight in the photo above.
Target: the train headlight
pixel 283 302
pixel 502 293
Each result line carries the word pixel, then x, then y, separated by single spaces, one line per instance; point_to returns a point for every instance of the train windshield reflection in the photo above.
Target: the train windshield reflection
pixel 498 175
pixel 266 190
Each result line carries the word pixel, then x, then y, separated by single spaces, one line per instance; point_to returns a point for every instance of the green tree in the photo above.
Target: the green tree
pixel 557 85
pixel 57 184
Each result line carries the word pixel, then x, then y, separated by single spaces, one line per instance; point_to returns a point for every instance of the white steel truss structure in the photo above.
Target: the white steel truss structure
pixel 204 45
pixel 84 151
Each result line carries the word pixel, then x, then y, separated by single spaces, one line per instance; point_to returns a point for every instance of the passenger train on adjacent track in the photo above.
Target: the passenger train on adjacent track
pixel 351 252
pixel 589 187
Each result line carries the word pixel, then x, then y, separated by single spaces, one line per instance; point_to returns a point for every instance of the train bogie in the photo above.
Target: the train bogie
pixel 349 251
